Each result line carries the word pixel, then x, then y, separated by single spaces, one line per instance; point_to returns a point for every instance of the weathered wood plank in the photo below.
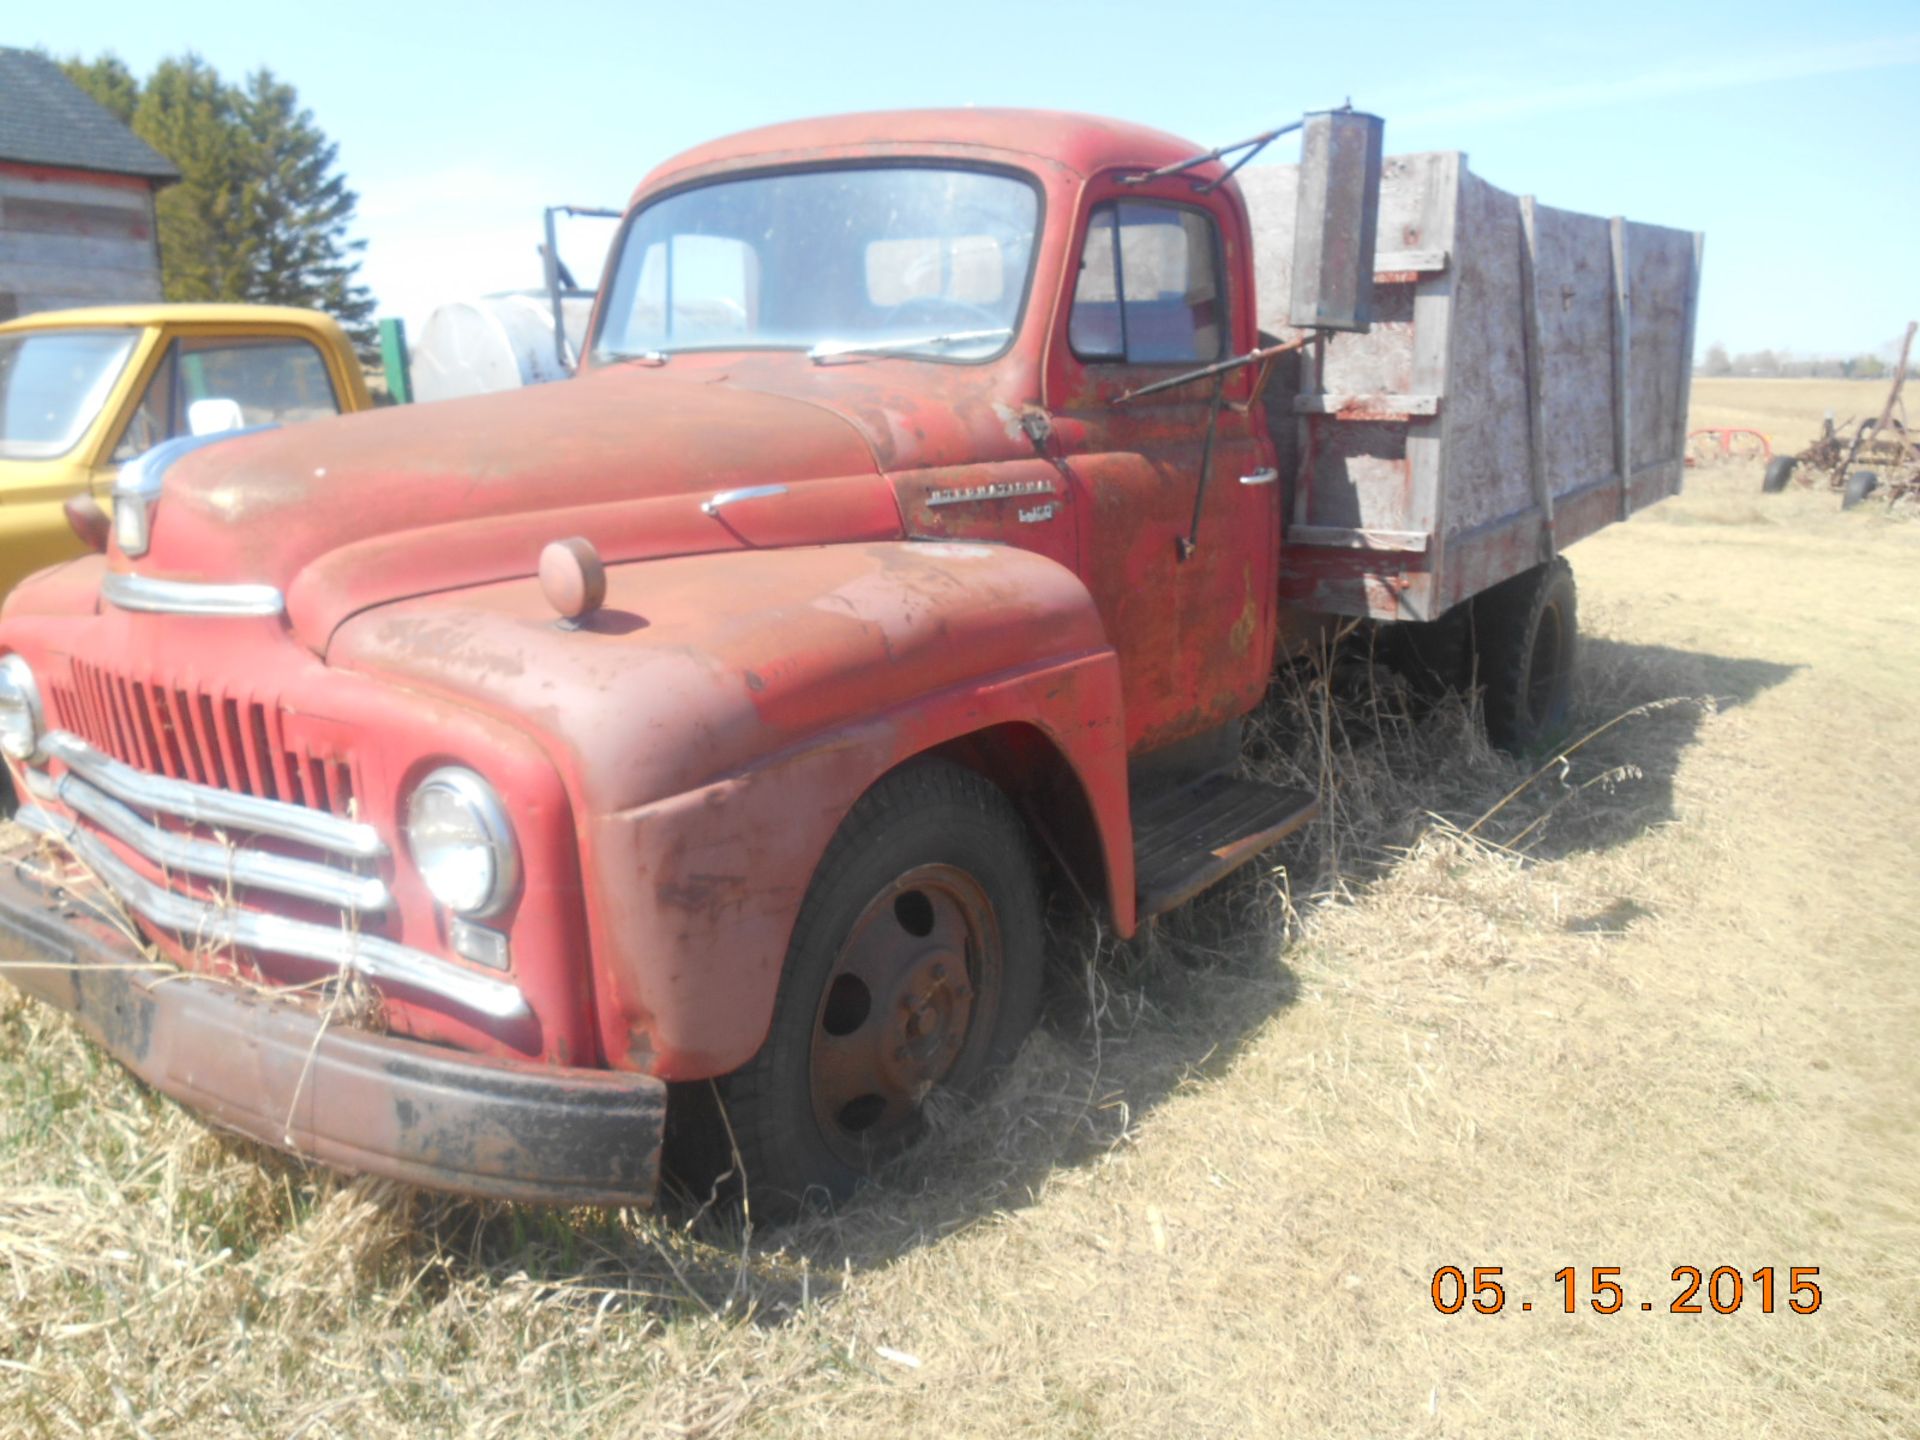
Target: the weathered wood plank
pixel 1408 262
pixel 1622 364
pixel 65 192
pixel 1366 407
pixel 1535 345
pixel 1686 348
pixel 1344 538
pixel 73 252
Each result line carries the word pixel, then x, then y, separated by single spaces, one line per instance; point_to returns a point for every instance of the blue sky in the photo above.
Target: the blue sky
pixel 1786 131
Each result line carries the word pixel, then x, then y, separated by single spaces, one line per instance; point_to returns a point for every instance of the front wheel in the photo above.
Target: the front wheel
pixel 915 965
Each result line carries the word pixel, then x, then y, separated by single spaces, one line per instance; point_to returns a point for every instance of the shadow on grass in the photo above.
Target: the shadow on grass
pixel 1130 1022
pixel 1620 784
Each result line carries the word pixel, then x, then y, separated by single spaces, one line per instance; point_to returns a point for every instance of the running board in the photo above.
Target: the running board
pixel 1185 839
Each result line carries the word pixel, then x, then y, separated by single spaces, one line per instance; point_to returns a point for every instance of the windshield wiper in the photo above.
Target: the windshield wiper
pixel 834 349
pixel 635 357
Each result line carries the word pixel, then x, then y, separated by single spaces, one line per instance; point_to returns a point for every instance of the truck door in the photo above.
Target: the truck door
pixel 1163 286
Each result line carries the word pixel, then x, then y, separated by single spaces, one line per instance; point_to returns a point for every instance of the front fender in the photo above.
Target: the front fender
pixel 717 719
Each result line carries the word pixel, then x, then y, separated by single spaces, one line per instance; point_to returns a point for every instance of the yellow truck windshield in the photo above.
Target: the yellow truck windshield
pixel 53 384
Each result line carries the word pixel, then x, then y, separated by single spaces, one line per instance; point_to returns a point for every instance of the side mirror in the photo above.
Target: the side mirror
pixel 1336 216
pixel 88 520
pixel 215 416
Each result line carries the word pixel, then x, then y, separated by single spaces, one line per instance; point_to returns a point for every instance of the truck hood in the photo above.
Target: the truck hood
pixel 353 512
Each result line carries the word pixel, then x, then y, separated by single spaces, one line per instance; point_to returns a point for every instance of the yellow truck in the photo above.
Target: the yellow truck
pixel 84 391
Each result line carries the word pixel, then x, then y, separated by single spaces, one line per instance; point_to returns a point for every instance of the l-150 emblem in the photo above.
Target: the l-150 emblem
pixel 1036 514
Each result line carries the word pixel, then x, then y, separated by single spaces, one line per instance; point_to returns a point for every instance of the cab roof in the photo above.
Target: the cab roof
pixel 1084 144
pixel 98 316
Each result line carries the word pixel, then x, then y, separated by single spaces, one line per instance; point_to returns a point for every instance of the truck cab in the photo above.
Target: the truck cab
pixel 975 309
pixel 699 728
pixel 84 391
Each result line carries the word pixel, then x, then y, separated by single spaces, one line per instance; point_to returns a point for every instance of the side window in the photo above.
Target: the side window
pixel 274 380
pixel 1149 289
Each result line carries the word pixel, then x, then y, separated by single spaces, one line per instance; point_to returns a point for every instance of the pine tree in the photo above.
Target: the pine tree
pixel 261 211
pixel 108 81
pixel 189 116
pixel 296 208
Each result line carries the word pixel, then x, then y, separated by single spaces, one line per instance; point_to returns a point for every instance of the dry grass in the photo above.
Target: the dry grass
pixel 1789 412
pixel 1657 1010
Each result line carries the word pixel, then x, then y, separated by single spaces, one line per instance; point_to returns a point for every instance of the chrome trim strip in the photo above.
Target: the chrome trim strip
pixel 188 597
pixel 140 480
pixel 142 476
pixel 369 955
pixel 204 805
pixel 209 859
pixel 713 504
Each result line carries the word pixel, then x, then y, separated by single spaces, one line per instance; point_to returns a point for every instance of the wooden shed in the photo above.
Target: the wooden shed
pixel 76 195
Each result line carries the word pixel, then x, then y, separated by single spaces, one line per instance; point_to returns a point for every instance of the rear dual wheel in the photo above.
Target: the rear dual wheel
pixel 914 966
pixel 1517 640
pixel 1525 638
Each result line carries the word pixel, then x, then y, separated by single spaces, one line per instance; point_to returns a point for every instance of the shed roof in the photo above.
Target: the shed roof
pixel 45 119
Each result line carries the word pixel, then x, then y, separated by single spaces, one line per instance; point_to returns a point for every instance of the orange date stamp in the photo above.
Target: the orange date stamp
pixel 1719 1291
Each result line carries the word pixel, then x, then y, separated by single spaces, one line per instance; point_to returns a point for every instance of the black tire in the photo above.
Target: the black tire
pixel 1860 484
pixel 1779 473
pixel 1526 634
pixel 904 878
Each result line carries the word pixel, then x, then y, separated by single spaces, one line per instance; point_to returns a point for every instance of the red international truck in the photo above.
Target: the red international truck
pixel 938 492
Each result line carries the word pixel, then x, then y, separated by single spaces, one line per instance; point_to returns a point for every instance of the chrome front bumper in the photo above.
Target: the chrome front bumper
pixel 277 1071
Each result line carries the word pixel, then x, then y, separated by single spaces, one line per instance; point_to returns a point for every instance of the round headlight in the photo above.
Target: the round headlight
pixel 461 842
pixel 20 714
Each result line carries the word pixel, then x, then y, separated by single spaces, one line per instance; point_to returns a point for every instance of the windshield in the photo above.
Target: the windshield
pixel 52 384
pixel 910 260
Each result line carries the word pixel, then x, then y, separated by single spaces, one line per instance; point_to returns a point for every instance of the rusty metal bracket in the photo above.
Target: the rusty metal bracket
pixel 1220 367
pixel 1191 543
pixel 1253 145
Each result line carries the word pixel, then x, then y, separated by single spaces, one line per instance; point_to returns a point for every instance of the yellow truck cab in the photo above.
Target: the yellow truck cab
pixel 84 391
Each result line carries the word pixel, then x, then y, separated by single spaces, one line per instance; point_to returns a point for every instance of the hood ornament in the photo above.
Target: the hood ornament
pixel 573 579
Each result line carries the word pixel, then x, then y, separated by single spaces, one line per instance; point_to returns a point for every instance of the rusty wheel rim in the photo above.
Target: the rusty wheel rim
pixel 909 1005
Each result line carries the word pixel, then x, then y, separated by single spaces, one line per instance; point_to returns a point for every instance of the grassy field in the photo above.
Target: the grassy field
pixel 1653 1006
pixel 1788 412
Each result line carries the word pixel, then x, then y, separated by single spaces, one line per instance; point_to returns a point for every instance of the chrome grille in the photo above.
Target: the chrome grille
pixel 182 828
pixel 206 737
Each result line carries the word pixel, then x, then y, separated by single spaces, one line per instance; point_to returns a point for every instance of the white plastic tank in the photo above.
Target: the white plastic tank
pixel 494 342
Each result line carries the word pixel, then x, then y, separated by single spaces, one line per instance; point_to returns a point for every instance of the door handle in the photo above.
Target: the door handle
pixel 1261 477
